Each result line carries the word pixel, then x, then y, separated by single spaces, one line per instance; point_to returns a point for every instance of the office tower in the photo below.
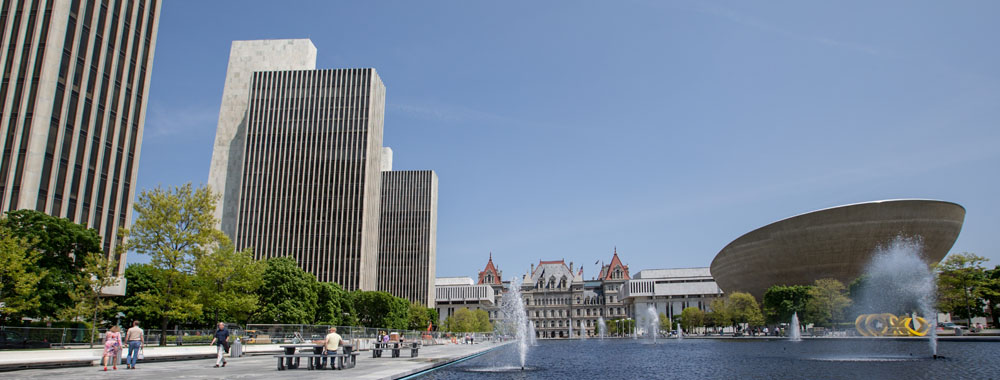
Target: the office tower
pixel 73 103
pixel 307 157
pixel 245 58
pixel 408 235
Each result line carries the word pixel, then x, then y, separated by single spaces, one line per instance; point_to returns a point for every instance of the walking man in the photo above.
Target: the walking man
pixel 134 339
pixel 221 340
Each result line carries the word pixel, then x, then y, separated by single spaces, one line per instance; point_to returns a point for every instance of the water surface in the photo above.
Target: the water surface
pixel 734 358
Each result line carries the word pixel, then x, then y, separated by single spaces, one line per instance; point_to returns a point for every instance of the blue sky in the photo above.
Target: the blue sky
pixel 665 128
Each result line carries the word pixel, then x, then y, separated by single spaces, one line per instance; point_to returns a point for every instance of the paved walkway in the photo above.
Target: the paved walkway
pixel 262 367
pixel 79 356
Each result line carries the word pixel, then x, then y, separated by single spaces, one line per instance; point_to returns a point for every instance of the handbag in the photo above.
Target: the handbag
pixel 141 355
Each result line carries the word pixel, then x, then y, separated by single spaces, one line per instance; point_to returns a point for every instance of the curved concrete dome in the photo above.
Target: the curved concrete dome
pixel 835 243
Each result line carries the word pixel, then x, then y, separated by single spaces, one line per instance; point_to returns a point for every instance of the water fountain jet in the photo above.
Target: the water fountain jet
pixel 516 319
pixel 601 325
pixel 898 280
pixel 653 322
pixel 794 332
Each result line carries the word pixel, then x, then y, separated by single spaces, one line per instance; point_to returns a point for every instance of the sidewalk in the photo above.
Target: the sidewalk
pixel 265 366
pixel 75 357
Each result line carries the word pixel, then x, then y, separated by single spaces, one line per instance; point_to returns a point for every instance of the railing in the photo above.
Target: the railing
pixel 41 337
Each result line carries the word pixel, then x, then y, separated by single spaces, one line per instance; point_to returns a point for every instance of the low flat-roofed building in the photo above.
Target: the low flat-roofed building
pixel 454 293
pixel 670 291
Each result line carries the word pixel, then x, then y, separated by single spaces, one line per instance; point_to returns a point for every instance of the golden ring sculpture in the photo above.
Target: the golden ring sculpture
pixel 888 324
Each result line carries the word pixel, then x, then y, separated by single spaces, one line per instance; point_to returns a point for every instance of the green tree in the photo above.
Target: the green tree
pixel 665 323
pixel 418 317
pixel 962 281
pixel 720 315
pixel 482 321
pixel 992 293
pixel 692 317
pixel 88 297
pixel 432 314
pixel 139 279
pixel 61 245
pixel 18 280
pixel 744 309
pixel 621 326
pixel 288 294
pixel 781 301
pixel 465 320
pixel 381 309
pixel 174 228
pixel 228 281
pixel 333 305
pixel 827 301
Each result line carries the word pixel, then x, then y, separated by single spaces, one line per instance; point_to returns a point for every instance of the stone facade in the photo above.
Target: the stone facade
pixel 73 105
pixel 559 301
pixel 245 58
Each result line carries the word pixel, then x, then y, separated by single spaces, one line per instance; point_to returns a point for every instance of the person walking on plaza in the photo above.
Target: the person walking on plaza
pixel 221 340
pixel 134 339
pixel 331 344
pixel 112 347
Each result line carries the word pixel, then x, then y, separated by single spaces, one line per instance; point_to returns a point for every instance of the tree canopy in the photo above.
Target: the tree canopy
pixel 465 320
pixel 61 245
pixel 18 280
pixel 827 301
pixel 174 227
pixel 381 309
pixel 963 285
pixel 781 301
pixel 288 294
pixel 692 317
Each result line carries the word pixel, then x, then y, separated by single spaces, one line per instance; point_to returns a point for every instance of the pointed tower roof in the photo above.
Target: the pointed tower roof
pixel 490 269
pixel 608 270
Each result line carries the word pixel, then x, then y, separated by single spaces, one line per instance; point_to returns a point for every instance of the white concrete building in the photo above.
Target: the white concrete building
pixel 454 293
pixel 298 160
pixel 670 291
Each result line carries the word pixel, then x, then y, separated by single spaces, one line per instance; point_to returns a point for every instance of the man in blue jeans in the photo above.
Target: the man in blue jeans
pixel 134 339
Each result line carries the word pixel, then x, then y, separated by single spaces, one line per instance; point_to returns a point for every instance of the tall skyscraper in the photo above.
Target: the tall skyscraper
pixel 408 235
pixel 73 104
pixel 306 159
pixel 245 58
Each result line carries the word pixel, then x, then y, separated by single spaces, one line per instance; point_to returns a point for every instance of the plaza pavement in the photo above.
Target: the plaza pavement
pixel 262 366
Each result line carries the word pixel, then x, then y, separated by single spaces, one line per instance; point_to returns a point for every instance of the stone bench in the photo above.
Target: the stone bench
pixel 395 347
pixel 317 361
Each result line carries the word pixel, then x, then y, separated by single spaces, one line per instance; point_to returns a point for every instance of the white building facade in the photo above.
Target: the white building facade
pixel 670 291
pixel 454 293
